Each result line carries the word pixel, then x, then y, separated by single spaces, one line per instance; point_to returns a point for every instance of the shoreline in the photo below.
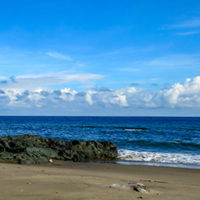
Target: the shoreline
pixel 142 163
pixel 158 164
pixel 76 181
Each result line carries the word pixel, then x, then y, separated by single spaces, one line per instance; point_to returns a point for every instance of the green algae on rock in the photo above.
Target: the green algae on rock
pixel 33 149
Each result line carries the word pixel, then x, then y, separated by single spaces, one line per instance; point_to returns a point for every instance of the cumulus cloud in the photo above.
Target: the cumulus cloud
pixel 3 82
pixel 179 95
pixel 8 79
pixel 2 92
pixel 182 95
pixel 44 93
pixel 12 78
pixel 104 89
pixel 58 92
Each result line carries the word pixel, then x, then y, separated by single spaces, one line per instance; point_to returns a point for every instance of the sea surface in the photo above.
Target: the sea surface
pixel 170 141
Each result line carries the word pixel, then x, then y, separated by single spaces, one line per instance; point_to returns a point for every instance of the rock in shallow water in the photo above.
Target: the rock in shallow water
pixel 32 149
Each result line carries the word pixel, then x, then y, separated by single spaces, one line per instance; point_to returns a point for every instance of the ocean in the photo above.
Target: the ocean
pixel 162 141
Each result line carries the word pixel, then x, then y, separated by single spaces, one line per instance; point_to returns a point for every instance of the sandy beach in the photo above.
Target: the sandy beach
pixel 58 180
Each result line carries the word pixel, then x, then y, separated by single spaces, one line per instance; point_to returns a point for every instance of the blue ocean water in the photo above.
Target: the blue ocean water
pixel 143 139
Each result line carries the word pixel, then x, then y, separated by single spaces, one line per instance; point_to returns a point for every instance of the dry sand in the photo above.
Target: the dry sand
pixel 58 180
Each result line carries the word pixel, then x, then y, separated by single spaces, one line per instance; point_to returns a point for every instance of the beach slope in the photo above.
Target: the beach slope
pixel 67 180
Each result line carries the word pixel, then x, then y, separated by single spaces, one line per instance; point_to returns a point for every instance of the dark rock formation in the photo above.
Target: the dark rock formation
pixel 32 149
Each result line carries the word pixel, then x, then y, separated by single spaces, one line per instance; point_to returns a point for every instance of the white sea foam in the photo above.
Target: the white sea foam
pixel 159 157
pixel 134 129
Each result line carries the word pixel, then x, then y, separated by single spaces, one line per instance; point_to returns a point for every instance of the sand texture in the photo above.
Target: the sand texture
pixel 58 180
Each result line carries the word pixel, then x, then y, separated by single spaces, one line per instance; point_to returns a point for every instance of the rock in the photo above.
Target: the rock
pixel 46 152
pixel 2 149
pixel 7 156
pixel 32 149
pixel 139 187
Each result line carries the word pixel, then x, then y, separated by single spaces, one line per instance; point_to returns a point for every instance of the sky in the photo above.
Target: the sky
pixel 100 58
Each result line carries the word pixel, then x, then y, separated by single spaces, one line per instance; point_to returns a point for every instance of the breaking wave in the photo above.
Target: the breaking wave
pixel 159 157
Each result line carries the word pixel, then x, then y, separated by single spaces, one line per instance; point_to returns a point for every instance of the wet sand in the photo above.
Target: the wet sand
pixel 59 180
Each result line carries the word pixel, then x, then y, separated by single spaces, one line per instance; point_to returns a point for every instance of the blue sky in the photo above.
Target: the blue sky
pixel 84 57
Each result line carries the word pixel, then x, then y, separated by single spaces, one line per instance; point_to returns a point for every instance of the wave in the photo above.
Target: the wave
pixel 135 129
pixel 176 145
pixel 177 158
pixel 113 127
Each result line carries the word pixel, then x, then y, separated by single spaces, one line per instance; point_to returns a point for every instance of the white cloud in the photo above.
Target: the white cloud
pixel 66 101
pixel 59 56
pixel 175 60
pixel 168 64
pixel 187 27
pixel 43 80
pixel 3 77
pixel 179 60
pixel 187 24
pixel 188 33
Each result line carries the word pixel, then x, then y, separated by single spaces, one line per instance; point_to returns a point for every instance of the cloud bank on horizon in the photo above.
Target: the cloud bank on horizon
pixel 103 101
pixel 100 58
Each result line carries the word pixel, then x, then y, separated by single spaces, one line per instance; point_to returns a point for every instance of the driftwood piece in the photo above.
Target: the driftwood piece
pixel 139 187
